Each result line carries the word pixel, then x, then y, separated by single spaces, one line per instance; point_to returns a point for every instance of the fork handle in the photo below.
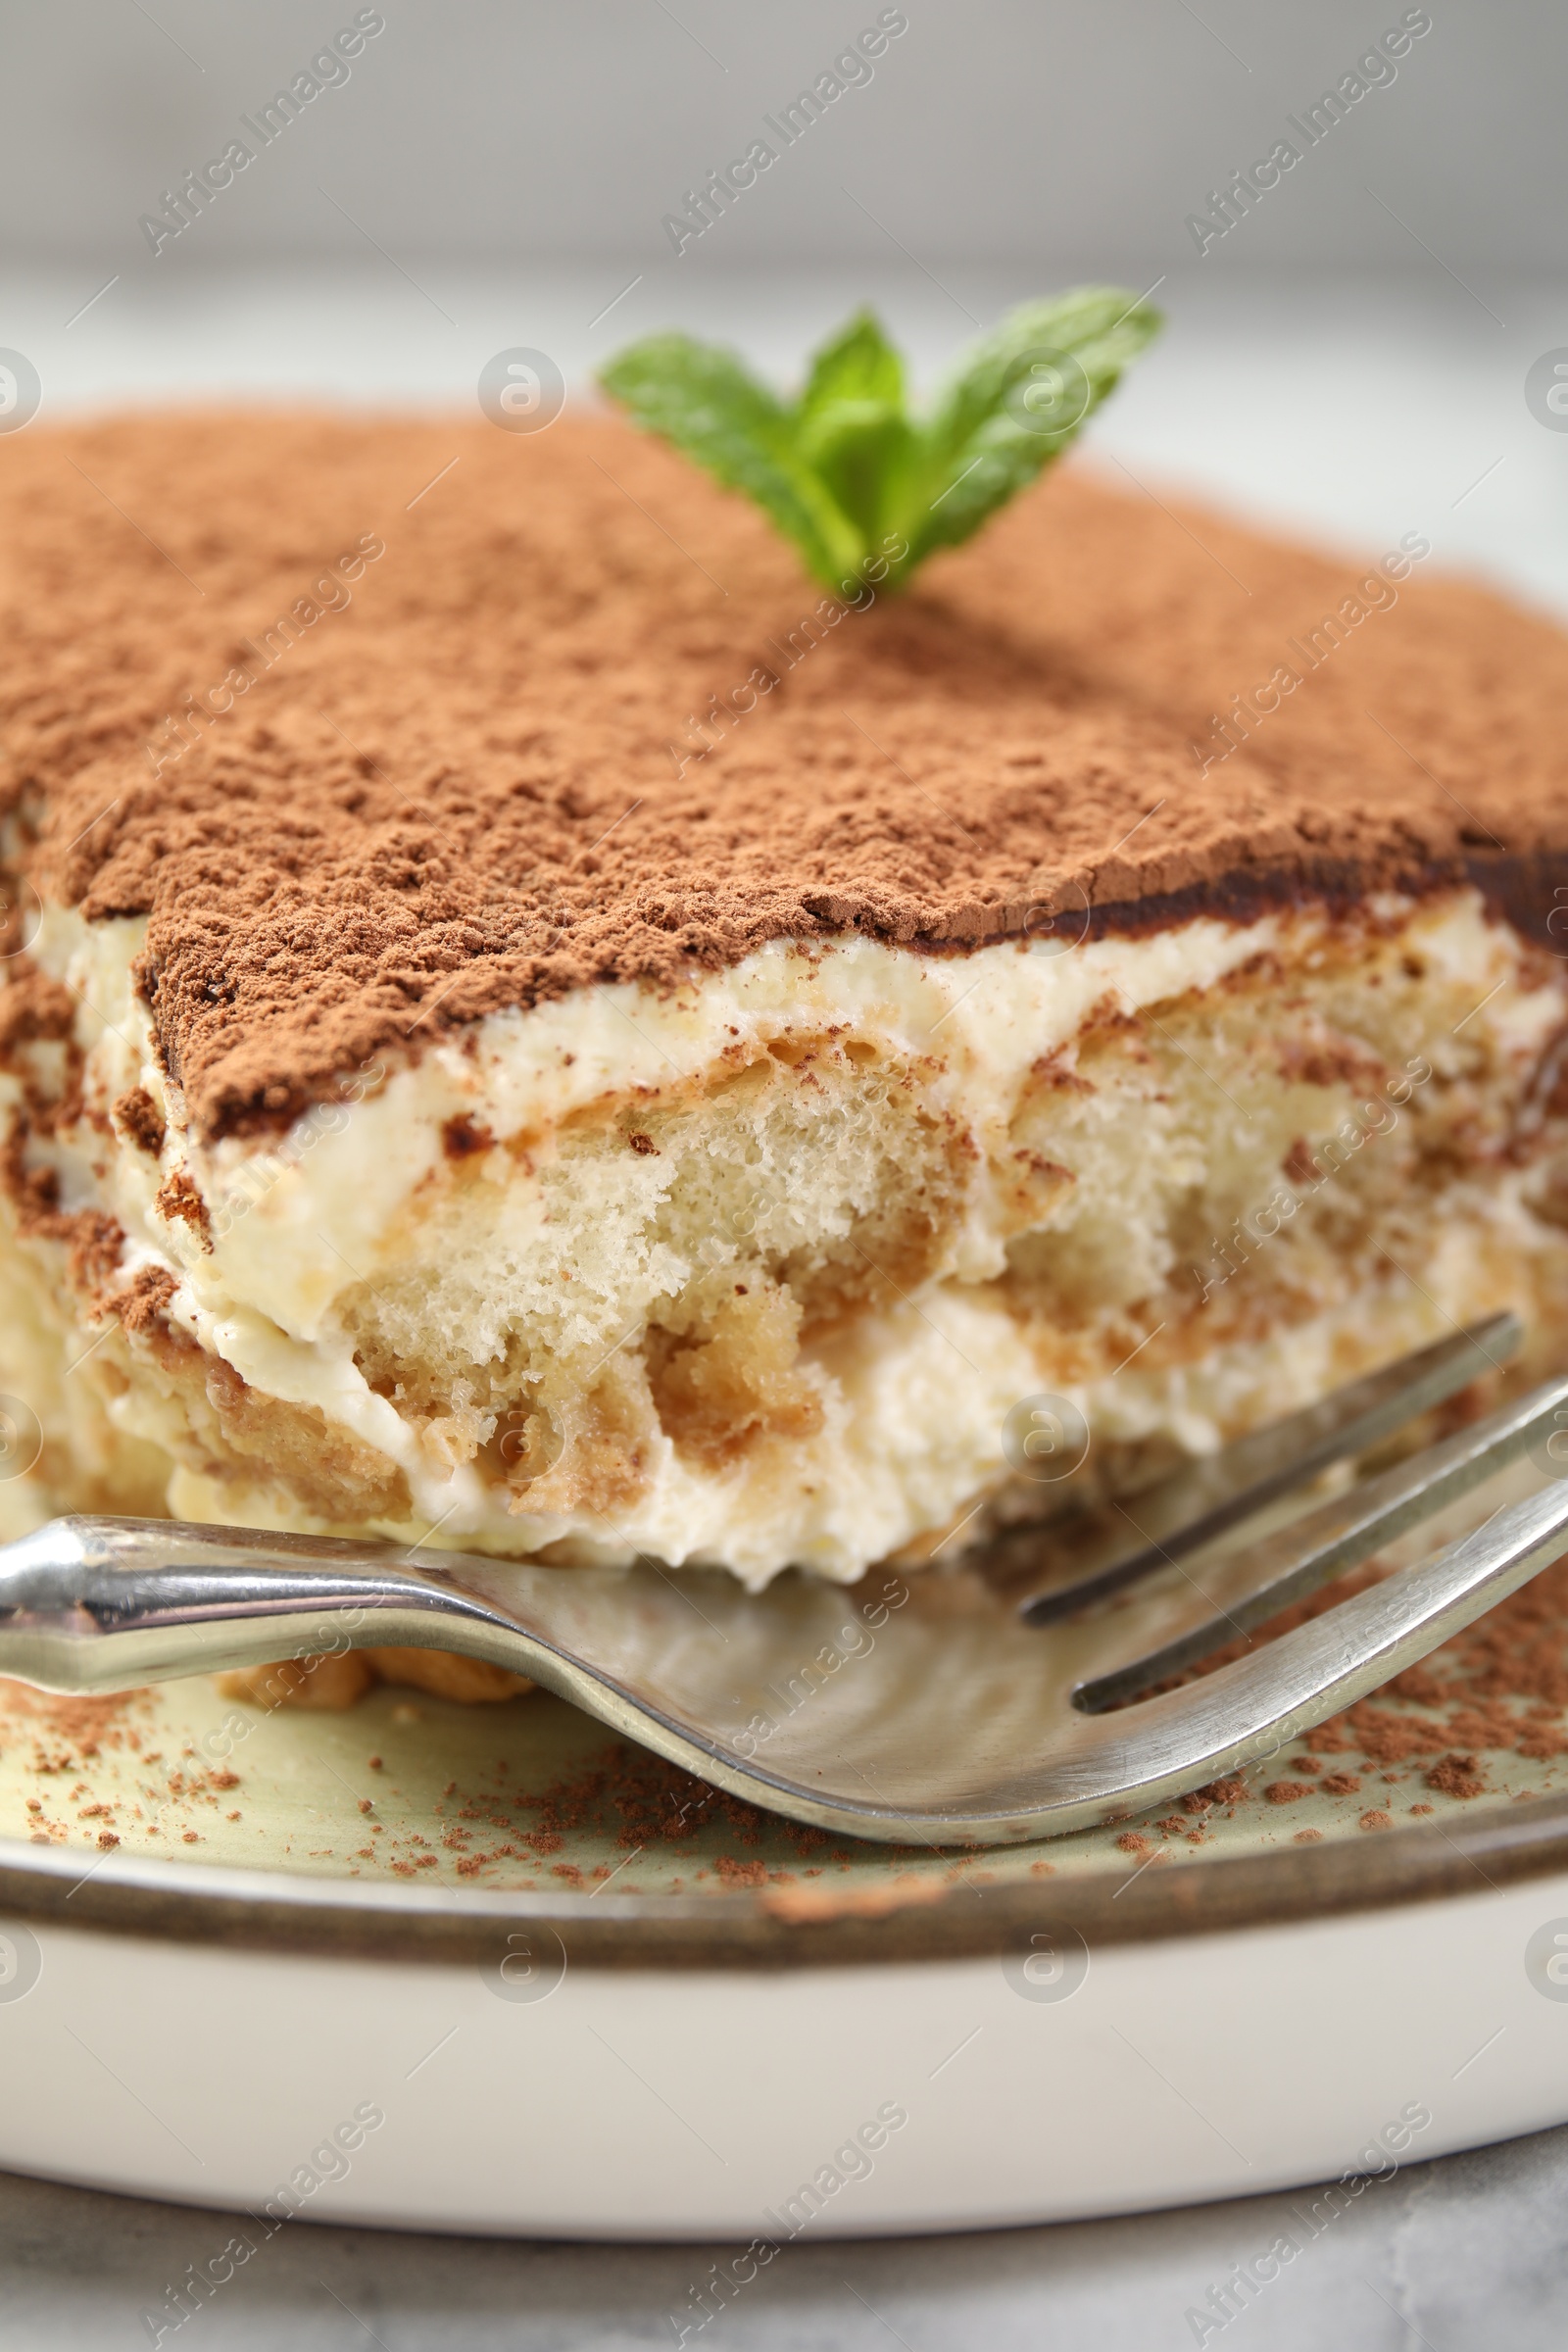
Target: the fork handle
pixel 104 1604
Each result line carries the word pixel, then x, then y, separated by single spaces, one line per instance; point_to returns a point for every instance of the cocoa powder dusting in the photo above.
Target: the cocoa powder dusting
pixel 138 1116
pixel 143 1303
pixel 576 715
pixel 646 1802
pixel 1456 1776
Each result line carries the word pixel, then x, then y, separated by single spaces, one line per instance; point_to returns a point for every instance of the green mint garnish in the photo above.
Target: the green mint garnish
pixel 864 488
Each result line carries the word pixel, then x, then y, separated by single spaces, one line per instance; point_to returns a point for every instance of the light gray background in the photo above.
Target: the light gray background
pixel 1066 135
pixel 1349 361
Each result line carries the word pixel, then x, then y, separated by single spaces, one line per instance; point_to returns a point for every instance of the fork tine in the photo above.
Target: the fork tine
pixel 1204 1499
pixel 1227 1597
pixel 1247 1711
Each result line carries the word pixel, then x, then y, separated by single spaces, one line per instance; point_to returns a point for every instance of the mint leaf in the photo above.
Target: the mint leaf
pixel 1020 396
pixel 861 487
pixel 851 427
pixel 703 401
pixel 858 364
pixel 865 457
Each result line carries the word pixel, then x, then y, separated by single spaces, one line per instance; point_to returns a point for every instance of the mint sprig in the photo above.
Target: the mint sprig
pixel 862 488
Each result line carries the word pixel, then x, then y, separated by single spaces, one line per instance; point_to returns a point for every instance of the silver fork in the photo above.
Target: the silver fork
pixel 931 1709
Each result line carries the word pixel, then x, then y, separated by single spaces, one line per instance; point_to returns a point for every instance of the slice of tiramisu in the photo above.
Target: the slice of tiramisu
pixel 529 1027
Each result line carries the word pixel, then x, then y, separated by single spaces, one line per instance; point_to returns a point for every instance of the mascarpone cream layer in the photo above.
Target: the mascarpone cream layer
pixel 916 1397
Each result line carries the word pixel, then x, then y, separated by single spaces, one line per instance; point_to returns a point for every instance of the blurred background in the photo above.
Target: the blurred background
pixel 1350 354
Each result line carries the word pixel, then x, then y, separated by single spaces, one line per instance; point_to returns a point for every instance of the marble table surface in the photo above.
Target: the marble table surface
pixel 1469 2250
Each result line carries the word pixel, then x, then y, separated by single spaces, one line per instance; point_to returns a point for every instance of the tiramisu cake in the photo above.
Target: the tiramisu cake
pixel 528 1026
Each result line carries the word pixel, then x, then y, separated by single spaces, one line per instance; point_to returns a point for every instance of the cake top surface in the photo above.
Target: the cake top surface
pixel 387 724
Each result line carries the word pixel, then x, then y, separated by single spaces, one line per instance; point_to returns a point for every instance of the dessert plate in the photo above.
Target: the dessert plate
pixel 496 1970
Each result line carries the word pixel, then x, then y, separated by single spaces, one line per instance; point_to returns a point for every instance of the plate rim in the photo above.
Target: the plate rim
pixel 825 1926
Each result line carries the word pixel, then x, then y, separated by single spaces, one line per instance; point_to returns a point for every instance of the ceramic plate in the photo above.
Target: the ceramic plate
pixel 492 1968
